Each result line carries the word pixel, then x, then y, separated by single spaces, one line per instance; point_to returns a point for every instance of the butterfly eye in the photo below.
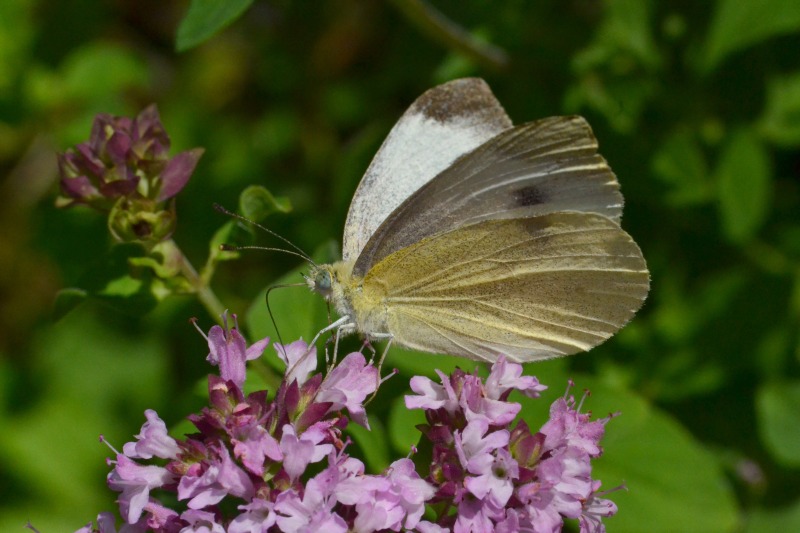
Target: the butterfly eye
pixel 322 282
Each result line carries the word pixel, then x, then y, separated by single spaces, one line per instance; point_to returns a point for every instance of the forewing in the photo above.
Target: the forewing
pixel 531 288
pixel 441 125
pixel 538 168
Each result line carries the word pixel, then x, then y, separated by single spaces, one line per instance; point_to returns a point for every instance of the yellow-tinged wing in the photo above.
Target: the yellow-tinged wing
pixel 530 288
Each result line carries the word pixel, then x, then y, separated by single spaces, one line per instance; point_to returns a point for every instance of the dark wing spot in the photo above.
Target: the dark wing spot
pixel 529 195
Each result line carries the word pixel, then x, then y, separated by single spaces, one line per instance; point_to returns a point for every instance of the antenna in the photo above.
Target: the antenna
pixel 234 248
pixel 269 310
pixel 230 248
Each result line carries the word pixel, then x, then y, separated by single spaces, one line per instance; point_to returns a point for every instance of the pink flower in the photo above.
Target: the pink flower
pixel 298 452
pixel 431 395
pixel 506 376
pixel 568 427
pixel 216 478
pixel 474 449
pixel 594 509
pixel 229 351
pixel 201 522
pixel 135 481
pixel 252 445
pixel 300 360
pixel 153 440
pixel 392 501
pixel 348 385
pixel 494 480
pixel 313 512
pixel 259 515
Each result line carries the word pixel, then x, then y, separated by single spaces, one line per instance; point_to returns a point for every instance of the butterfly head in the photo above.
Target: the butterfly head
pixel 321 280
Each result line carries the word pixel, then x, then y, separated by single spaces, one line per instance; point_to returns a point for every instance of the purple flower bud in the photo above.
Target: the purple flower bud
pixel 127 159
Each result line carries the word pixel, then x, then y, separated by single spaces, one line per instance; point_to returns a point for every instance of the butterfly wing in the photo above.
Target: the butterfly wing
pixel 530 288
pixel 441 125
pixel 534 169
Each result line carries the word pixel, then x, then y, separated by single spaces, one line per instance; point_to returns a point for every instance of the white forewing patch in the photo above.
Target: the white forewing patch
pixel 404 163
pixel 443 124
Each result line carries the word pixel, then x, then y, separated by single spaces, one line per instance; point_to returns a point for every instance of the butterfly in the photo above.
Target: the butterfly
pixel 470 236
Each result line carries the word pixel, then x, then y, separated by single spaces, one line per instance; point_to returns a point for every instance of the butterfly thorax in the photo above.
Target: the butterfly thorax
pixel 350 296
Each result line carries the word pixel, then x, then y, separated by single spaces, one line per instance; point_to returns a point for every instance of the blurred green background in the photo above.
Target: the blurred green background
pixel 696 106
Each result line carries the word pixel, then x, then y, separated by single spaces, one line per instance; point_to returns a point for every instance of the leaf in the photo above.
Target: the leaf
pixel 205 18
pixel 256 203
pixel 780 122
pixel 67 300
pixel 778 408
pixel 403 422
pixel 744 184
pixel 97 71
pixel 673 483
pixel 115 282
pixel 413 363
pixel 737 25
pixel 786 519
pixel 90 379
pixel 373 444
pixel 681 165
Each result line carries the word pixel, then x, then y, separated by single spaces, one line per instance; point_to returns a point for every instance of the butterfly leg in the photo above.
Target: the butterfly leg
pixel 343 329
pixel 379 337
pixel 337 325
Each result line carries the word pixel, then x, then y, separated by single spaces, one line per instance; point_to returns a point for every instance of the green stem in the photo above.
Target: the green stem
pixel 450 34
pixel 201 287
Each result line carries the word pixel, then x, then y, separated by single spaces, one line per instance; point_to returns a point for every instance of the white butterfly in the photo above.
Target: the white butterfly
pixel 472 237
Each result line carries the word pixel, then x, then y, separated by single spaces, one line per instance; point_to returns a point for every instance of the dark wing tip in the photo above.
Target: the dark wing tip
pixel 465 97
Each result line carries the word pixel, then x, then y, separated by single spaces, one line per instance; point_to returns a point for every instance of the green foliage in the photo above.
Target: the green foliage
pixel 696 106
pixel 205 18
pixel 745 186
pixel 738 24
pixel 778 407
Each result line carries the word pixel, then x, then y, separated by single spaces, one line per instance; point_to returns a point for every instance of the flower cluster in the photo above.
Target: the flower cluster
pixel 260 466
pixel 125 168
pixel 503 479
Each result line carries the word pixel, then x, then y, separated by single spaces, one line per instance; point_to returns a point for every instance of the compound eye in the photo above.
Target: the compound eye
pixel 322 282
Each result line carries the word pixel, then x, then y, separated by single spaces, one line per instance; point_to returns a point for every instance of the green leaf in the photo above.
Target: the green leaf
pixel 681 165
pixel 67 300
pixel 403 422
pixel 205 18
pixel 744 185
pixel 373 444
pixel 738 24
pixel 413 363
pixel 785 519
pixel 778 408
pixel 90 379
pixel 780 122
pixel 256 203
pixel 115 282
pixel 673 483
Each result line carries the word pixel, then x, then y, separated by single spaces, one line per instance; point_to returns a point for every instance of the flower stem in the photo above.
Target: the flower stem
pixel 450 34
pixel 200 287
